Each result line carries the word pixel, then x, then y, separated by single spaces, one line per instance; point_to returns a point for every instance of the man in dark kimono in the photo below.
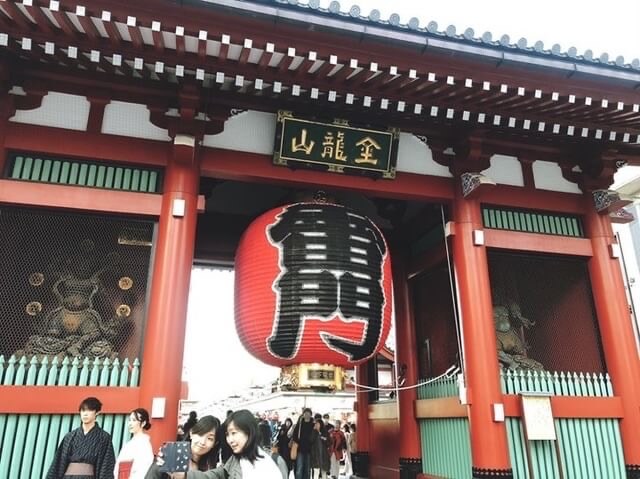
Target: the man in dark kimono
pixel 85 452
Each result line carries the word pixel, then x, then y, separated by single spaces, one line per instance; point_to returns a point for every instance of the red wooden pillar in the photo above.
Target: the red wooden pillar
pixel 618 342
pixel 489 449
pixel 410 456
pixel 164 339
pixel 361 457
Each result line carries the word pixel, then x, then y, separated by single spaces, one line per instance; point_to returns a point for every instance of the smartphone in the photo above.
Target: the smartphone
pixel 176 456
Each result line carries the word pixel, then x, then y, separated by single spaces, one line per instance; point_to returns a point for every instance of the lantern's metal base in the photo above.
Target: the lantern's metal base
pixel 315 377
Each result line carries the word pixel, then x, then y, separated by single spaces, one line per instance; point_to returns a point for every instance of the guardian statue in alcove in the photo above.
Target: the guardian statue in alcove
pixel 74 327
pixel 512 350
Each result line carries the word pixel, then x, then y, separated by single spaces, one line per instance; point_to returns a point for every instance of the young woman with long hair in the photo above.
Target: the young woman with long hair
pixel 205 450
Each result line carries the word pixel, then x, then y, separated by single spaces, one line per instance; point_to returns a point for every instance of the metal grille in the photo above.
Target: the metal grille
pixel 435 321
pixel 72 285
pixel 529 221
pixel 549 304
pixel 83 173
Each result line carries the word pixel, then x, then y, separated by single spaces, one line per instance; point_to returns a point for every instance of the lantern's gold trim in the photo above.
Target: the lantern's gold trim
pixel 315 376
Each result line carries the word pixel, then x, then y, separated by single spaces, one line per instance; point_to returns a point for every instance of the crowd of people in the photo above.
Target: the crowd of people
pixel 243 446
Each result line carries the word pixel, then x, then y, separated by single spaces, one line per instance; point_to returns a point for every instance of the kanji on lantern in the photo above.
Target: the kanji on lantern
pixel 313 284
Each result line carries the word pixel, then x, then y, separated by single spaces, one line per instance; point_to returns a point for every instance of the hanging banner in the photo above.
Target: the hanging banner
pixel 337 147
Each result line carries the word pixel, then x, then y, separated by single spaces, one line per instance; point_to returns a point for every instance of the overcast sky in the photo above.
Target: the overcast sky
pixel 215 362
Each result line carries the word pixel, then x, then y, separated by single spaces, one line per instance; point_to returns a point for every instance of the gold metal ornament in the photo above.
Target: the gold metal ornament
pixel 36 279
pixel 33 308
pixel 123 311
pixel 125 283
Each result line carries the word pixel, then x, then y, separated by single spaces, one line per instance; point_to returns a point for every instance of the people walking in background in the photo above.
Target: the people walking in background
pixel 85 452
pixel 265 432
pixel 186 428
pixel 337 446
pixel 283 439
pixel 302 437
pixel 279 460
pixel 353 445
pixel 348 468
pixel 138 451
pixel 205 449
pixel 319 451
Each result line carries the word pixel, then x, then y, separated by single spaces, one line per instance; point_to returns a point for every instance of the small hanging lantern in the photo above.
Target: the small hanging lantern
pixel 313 285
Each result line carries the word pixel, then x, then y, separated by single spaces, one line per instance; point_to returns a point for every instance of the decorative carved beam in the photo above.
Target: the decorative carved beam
pixel 608 201
pixel 621 216
pixel 475 184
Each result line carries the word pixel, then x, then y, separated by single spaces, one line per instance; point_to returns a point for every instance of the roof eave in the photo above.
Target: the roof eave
pixel 424 41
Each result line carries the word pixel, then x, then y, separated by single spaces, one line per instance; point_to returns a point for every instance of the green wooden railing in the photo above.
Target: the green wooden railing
pixel 441 388
pixel 29 441
pixel 529 221
pixel 446 446
pixel 97 372
pixel 556 383
pixel 588 447
pixel 84 173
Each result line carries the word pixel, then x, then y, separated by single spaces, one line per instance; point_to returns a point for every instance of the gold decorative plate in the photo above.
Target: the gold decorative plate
pixel 125 283
pixel 34 308
pixel 36 279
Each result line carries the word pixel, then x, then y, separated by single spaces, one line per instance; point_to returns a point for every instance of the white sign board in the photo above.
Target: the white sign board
pixel 538 417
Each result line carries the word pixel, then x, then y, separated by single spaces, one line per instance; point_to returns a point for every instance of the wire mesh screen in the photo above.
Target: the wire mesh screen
pixel 544 314
pixel 72 284
pixel 436 332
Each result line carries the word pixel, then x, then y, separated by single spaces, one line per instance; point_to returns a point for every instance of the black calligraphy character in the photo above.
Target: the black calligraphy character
pixel 330 263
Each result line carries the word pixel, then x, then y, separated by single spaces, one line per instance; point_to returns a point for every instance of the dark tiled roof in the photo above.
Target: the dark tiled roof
pixel 466 37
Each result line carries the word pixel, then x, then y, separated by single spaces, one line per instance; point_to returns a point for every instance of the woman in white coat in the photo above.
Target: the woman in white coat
pixel 138 451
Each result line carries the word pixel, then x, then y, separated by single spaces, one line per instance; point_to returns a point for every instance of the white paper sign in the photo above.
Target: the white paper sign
pixel 157 407
pixel 538 418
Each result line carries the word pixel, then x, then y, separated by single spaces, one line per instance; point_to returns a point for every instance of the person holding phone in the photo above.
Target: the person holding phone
pixel 248 461
pixel 205 448
pixel 85 452
pixel 138 451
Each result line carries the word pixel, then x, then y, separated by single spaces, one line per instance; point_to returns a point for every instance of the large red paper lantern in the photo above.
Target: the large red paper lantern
pixel 313 285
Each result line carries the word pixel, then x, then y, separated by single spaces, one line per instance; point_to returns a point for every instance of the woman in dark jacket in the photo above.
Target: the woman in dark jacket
pixel 283 442
pixel 319 452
